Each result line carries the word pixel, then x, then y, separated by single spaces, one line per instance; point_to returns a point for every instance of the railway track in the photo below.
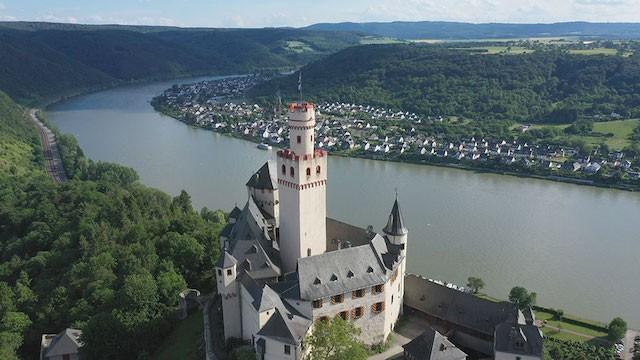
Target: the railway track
pixel 53 162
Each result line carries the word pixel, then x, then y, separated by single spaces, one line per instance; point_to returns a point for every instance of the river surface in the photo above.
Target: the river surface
pixel 578 247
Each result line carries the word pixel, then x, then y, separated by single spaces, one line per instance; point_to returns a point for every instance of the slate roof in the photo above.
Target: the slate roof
pixel 338 233
pixel 511 333
pixel 251 245
pixel 395 224
pixel 226 260
pixel 66 342
pixel 262 179
pixel 458 307
pixel 328 274
pixel 431 345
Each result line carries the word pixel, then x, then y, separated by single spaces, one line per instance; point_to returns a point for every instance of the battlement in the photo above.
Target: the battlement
pixel 288 154
pixel 301 107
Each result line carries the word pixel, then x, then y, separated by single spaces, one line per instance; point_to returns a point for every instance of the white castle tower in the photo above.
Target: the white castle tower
pixel 302 180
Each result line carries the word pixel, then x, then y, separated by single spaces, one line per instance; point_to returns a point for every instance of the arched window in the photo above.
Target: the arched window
pixel 292 172
pixel 284 170
pixel 318 170
pixel 308 251
pixel 308 171
pixel 311 138
pixel 299 139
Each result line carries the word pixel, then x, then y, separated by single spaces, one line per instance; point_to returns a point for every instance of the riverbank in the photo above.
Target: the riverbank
pixel 424 161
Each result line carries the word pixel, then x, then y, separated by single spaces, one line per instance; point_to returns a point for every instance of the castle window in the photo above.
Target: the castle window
pixel 317 304
pixel 357 313
pixel 318 170
pixel 219 272
pixel 334 277
pixel 308 171
pixel 357 293
pixel 317 282
pixel 344 315
pixel 337 299
pixel 311 138
pixel 287 349
pixel 229 272
pixel 308 251
pixel 299 139
pixel 377 307
pixel 369 269
pixel 377 289
pixel 350 274
pixel 284 170
pixel 292 172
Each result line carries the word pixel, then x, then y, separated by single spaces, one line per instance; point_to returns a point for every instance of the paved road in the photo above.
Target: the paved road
pixel 53 162
pixel 628 343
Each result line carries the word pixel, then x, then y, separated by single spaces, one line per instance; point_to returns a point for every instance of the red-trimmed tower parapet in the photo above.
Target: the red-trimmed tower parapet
pixel 302 179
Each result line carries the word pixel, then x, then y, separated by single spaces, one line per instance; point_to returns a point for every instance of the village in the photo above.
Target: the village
pixel 383 134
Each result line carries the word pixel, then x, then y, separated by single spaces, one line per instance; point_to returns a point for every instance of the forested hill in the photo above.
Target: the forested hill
pixel 101 252
pixel 457 30
pixel 41 61
pixel 543 86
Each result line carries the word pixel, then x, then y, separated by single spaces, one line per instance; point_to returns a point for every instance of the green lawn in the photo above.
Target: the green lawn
pixel 298 46
pixel 542 315
pixel 369 40
pixel 185 341
pixel 621 130
pixel 595 51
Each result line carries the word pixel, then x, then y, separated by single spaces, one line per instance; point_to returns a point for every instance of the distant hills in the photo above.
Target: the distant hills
pixel 43 61
pixel 546 86
pixel 466 31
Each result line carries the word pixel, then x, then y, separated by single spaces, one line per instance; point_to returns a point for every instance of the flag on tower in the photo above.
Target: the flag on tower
pixel 300 85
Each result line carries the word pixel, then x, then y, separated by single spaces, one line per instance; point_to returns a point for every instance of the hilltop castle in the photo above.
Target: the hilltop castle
pixel 286 265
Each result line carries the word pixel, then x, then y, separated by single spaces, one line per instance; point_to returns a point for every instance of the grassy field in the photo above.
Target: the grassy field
pixel 185 341
pixel 298 46
pixel 621 130
pixel 506 50
pixel 594 51
pixel 370 40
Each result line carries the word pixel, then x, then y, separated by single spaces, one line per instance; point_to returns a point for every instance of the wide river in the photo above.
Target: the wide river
pixel 578 247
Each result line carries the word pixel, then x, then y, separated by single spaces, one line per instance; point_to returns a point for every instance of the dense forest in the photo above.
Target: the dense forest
pixel 545 86
pixel 41 61
pixel 457 30
pixel 101 252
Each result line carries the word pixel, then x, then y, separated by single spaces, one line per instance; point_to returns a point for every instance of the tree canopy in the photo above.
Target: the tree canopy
pixel 522 298
pixel 335 339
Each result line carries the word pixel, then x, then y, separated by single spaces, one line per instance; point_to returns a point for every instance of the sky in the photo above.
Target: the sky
pixel 270 13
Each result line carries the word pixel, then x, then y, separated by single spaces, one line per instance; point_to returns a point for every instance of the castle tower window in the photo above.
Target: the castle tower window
pixel 357 293
pixel 287 349
pixel 378 289
pixel 337 299
pixel 377 307
pixel 299 139
pixel 318 170
pixel 309 252
pixel 284 170
pixel 357 313
pixel 308 171
pixel 292 172
pixel 317 304
pixel 229 272
pixel 219 272
pixel 311 138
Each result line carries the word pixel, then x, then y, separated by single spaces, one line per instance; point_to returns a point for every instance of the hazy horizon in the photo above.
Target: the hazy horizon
pixel 291 13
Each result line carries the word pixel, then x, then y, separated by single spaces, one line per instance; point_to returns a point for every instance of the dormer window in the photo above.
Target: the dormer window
pixel 317 282
pixel 369 269
pixel 334 277
pixel 350 274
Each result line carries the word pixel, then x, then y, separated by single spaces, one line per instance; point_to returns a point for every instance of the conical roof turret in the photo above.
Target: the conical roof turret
pixel 395 224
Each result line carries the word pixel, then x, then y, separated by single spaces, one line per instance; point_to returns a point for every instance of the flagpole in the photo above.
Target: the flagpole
pixel 300 85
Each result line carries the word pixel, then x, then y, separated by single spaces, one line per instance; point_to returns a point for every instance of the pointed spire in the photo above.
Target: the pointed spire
pixel 395 225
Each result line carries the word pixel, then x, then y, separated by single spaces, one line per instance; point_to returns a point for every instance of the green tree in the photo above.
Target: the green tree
pixel 617 329
pixel 475 284
pixel 335 339
pixel 522 298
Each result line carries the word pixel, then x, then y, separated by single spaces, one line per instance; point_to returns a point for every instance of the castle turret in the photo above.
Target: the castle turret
pixel 226 275
pixel 397 233
pixel 302 180
pixel 395 230
pixel 263 187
